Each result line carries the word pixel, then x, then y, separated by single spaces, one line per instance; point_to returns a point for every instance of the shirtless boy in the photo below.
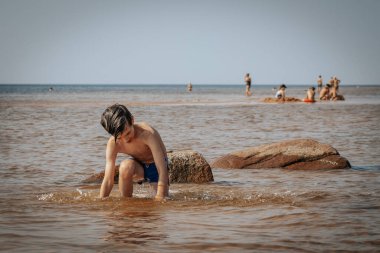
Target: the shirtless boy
pixel 325 93
pixel 140 141
pixel 310 94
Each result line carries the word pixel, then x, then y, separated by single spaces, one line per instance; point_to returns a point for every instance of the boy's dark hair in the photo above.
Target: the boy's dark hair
pixel 114 119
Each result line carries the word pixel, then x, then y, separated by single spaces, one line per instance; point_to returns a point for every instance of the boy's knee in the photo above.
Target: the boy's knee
pixel 127 168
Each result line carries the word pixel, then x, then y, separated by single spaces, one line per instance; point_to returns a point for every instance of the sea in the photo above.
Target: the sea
pixel 51 140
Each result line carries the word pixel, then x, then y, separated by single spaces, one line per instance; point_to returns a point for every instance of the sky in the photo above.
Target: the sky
pixel 178 41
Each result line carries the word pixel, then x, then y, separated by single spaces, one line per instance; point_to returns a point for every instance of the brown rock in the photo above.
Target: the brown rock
pixel 184 167
pixel 189 167
pixel 291 154
pixel 276 100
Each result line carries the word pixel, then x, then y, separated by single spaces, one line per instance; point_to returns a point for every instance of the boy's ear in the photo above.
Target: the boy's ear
pixel 133 120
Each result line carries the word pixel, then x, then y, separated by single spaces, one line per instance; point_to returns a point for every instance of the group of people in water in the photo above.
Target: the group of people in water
pixel 328 92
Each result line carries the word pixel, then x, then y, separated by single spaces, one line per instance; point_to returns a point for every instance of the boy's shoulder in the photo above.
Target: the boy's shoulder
pixel 111 141
pixel 112 145
pixel 145 126
pixel 146 130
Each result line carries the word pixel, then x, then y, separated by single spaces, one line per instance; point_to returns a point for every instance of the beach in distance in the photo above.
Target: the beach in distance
pixel 51 139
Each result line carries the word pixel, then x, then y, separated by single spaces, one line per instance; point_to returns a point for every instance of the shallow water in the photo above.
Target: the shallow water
pixel 50 141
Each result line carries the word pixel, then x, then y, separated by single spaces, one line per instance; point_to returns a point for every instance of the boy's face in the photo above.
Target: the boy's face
pixel 128 133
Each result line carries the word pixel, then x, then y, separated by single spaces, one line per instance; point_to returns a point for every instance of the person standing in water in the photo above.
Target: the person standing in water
pixel 319 83
pixel 336 83
pixel 189 87
pixel 331 81
pixel 248 81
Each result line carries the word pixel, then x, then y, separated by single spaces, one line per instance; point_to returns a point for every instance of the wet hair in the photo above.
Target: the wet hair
pixel 115 118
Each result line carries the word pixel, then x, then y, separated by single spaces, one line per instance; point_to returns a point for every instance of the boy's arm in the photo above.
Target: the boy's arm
pixel 109 172
pixel 158 149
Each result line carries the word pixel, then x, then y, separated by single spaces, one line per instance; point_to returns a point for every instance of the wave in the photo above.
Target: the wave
pixel 213 197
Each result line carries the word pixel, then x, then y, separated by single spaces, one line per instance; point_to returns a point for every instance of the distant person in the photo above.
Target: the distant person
pixel 319 83
pixel 248 81
pixel 51 89
pixel 143 143
pixel 280 94
pixel 331 81
pixel 325 92
pixel 310 95
pixel 189 87
pixel 336 83
pixel 334 91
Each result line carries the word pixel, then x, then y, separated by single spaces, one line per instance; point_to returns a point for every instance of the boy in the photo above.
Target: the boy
pixel 280 94
pixel 310 94
pixel 143 143
pixel 325 93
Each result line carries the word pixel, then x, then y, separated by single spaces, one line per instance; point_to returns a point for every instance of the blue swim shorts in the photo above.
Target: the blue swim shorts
pixel 150 172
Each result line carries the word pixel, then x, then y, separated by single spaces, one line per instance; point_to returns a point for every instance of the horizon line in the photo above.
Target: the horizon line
pixel 231 84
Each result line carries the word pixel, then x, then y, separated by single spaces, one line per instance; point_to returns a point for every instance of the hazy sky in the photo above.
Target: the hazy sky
pixel 173 42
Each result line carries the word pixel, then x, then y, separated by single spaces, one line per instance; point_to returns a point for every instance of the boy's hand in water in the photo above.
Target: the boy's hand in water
pixel 160 198
pixel 162 191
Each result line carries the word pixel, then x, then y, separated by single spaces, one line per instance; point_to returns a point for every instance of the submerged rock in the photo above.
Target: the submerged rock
pixel 184 167
pixel 277 100
pixel 305 154
pixel 339 97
